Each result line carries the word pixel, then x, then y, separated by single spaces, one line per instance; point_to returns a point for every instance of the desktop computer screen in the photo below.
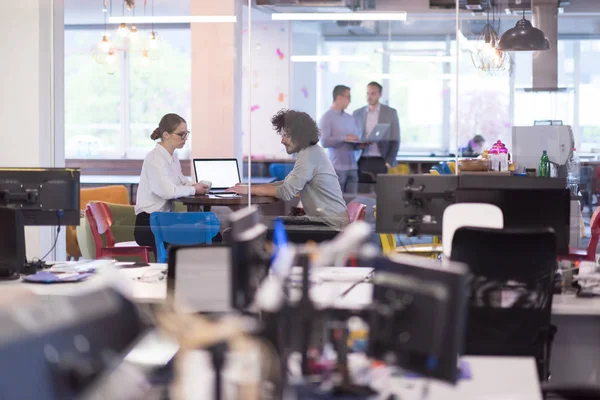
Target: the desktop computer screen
pixel 413 204
pixel 419 314
pixel 45 196
pixel 249 259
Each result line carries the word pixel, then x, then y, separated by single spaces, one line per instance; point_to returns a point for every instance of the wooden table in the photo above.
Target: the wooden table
pixel 193 203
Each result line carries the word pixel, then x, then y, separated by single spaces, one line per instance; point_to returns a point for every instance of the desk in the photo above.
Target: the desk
pixel 194 203
pixel 134 180
pixel 513 378
pixel 576 347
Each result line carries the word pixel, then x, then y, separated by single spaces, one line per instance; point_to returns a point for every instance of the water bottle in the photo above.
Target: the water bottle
pixel 544 168
pixel 493 157
pixel 573 167
pixel 503 157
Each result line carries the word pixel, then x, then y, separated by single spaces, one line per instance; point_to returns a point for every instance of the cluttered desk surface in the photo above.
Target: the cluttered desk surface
pixel 150 291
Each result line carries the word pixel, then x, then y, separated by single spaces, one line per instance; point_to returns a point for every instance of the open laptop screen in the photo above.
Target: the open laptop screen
pixel 223 173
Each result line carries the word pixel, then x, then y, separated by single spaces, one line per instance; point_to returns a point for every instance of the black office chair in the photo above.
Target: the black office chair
pixel 511 292
pixel 570 392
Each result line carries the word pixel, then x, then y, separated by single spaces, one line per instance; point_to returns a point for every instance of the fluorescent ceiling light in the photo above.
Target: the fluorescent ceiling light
pixel 173 20
pixel 350 16
pixel 328 58
pixel 435 59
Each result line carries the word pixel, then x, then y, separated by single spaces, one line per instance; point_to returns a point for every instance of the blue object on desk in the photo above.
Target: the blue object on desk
pixel 464 372
pixel 182 228
pixel 48 277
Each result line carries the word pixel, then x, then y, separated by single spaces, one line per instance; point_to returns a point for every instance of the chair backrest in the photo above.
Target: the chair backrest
pixel 511 291
pixel 185 228
pixel 280 170
pixel 116 194
pixel 356 211
pixel 468 214
pixel 100 219
pixel 595 232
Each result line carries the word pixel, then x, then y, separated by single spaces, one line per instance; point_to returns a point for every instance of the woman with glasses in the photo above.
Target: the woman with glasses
pixel 161 180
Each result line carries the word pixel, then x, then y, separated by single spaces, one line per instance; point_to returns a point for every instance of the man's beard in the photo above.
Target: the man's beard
pixel 291 149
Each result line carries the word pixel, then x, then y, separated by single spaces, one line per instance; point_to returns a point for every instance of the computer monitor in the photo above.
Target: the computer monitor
pixel 12 243
pixel 199 278
pixel 45 196
pixel 64 343
pixel 223 173
pixel 249 259
pixel 526 202
pixel 419 314
pixel 413 204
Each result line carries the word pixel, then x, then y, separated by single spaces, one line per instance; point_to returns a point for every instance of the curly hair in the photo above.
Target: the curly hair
pixel 301 128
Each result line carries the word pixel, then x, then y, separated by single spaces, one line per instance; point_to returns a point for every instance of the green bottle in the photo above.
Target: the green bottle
pixel 544 169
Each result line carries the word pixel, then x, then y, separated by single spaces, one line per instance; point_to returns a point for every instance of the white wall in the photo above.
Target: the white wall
pixel 27 103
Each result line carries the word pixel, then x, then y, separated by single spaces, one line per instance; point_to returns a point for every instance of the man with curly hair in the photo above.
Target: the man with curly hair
pixel 313 176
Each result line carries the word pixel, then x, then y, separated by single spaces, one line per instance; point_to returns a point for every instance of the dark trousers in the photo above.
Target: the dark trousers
pixel 142 233
pixel 369 167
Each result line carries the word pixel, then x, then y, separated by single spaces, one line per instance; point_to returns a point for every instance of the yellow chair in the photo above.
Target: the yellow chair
pixel 433 172
pixel 109 194
pixel 400 169
pixel 452 166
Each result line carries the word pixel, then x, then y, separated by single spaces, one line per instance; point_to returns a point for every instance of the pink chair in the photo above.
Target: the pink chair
pixel 100 219
pixel 357 211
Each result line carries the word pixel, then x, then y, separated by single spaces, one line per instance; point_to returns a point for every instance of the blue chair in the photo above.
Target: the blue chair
pixel 280 170
pixel 182 228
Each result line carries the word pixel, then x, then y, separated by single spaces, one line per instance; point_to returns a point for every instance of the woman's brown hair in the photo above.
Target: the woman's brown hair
pixel 168 123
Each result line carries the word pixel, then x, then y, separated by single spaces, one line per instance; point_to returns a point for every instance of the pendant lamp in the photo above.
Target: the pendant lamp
pixel 523 37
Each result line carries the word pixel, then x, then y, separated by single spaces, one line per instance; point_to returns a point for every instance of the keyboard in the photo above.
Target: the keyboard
pixel 301 220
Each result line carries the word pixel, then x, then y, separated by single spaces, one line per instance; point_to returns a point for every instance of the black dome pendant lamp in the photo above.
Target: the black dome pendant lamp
pixel 523 37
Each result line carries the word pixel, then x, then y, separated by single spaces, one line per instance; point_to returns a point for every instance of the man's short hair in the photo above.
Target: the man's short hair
pixel 339 90
pixel 298 125
pixel 377 85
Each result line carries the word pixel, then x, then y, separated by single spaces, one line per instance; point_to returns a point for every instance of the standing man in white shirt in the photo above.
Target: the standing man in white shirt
pixel 377 157
pixel 161 180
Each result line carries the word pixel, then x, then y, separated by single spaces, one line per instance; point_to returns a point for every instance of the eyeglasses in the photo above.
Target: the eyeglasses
pixel 182 135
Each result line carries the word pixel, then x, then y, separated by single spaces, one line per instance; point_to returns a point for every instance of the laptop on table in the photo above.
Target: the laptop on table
pixel 222 172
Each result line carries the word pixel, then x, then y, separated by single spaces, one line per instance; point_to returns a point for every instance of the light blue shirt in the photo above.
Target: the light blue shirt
pixel 334 126
pixel 314 178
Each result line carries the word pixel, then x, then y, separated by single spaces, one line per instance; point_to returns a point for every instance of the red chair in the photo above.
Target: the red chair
pixel 588 254
pixel 357 211
pixel 100 219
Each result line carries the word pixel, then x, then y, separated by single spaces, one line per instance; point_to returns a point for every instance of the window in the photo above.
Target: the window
pixel 113 115
pixel 92 100
pixel 355 74
pixel 417 90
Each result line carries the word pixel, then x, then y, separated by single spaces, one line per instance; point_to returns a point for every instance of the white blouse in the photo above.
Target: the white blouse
pixel 161 181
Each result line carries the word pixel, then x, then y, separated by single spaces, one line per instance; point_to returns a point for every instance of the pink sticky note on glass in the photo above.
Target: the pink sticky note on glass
pixel 304 92
pixel 254 108
pixel 281 97
pixel 280 54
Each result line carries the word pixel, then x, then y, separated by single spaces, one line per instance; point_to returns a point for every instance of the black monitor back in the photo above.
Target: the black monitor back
pixel 414 353
pixel 249 259
pixel 413 204
pixel 45 196
pixel 526 202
